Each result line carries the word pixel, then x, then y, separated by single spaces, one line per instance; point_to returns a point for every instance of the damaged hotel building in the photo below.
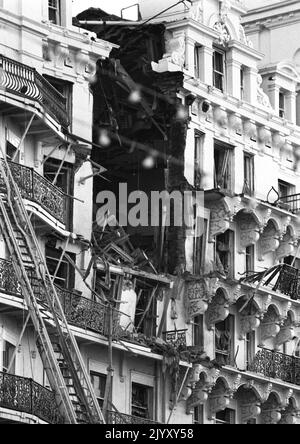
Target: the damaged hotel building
pixel 144 324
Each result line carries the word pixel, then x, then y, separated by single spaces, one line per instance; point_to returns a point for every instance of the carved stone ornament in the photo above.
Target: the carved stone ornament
pixel 196 299
pixel 196 11
pixel 218 310
pixel 222 213
pixel 271 411
pixel 224 36
pixel 262 98
pixel 175 48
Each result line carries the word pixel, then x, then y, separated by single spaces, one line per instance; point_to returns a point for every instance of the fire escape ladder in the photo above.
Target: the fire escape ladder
pixel 57 345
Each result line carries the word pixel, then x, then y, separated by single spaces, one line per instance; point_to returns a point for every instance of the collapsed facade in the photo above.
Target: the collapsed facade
pixel 149 324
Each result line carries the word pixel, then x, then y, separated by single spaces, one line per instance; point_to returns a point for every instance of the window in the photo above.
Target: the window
pixel 99 385
pixel 285 189
pixel 224 337
pixel 66 90
pixel 225 253
pixel 142 401
pixel 11 151
pixel 146 323
pixel 227 416
pixel 242 83
pixel 8 352
pixel 199 140
pixel 282 104
pixel 250 259
pixel 197 61
pixel 223 155
pixel 65 277
pixel 200 248
pixel 199 415
pixel 250 348
pixel 198 328
pixel 248 174
pixel 219 70
pixel 54 11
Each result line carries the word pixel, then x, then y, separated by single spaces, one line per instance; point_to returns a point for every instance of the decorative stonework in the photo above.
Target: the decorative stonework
pixel 219 399
pixel 270 413
pixel 249 323
pixel 243 38
pixel 222 213
pixel 196 11
pixel 218 310
pixel 270 326
pixel 197 298
pixel 224 35
pixel 175 48
pixel 202 388
pixel 262 97
pixel 269 241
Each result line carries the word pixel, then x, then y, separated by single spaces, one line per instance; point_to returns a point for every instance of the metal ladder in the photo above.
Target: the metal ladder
pixel 60 354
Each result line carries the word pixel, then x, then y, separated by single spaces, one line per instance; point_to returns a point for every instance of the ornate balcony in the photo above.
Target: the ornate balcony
pixel 25 395
pixel 36 188
pixel 121 418
pixel 283 278
pixel 23 81
pixel 277 365
pixel 290 203
pixel 176 338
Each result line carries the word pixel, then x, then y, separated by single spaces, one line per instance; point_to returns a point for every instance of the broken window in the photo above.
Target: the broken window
pixel 219 70
pixel 66 90
pixel 248 174
pixel 200 249
pixel 146 312
pixel 7 355
pixel 223 155
pixel 225 253
pixel 64 180
pixel 142 401
pixel 54 11
pixel 65 274
pixel 99 385
pixel 224 336
pixel 226 416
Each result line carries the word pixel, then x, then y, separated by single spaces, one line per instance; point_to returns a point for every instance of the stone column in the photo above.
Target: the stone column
pixel 290 101
pixel 234 78
pixel 273 93
pixel 206 65
pixel 250 85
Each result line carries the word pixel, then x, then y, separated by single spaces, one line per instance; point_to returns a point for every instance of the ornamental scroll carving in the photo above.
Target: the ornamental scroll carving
pixel 222 214
pixel 196 298
pixel 218 310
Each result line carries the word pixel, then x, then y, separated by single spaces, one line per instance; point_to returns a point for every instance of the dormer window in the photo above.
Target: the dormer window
pixel 54 11
pixel 219 70
pixel 282 112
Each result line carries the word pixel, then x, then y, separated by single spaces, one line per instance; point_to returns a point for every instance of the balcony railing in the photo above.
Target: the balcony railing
pixel 121 418
pixel 26 396
pixel 282 278
pixel 177 338
pixel 277 365
pixel 26 82
pixel 36 188
pixel 290 203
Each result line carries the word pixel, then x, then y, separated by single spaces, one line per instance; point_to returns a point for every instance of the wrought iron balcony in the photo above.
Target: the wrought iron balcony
pixel 36 188
pixel 24 81
pixel 121 418
pixel 26 396
pixel 277 365
pixel 176 338
pixel 290 203
pixel 282 278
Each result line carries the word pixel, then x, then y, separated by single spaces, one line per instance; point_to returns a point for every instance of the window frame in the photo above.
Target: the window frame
pixel 282 104
pixel 99 375
pixel 224 179
pixel 216 72
pixel 150 401
pixel 249 173
pixel 56 10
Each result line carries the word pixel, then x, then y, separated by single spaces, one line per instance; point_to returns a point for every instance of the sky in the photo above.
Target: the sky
pixel 111 6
